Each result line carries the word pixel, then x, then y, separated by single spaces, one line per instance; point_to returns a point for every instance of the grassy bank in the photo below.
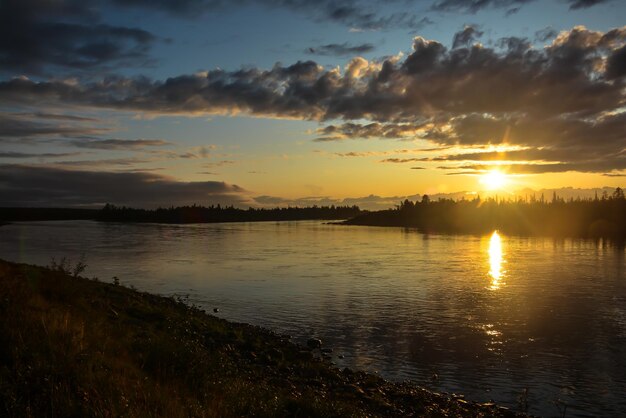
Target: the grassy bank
pixel 74 347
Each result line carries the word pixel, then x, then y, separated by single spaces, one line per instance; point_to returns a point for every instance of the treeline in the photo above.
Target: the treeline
pixel 217 213
pixel 599 217
pixel 184 214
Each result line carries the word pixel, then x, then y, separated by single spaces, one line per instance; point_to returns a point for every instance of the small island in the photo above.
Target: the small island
pixel 77 347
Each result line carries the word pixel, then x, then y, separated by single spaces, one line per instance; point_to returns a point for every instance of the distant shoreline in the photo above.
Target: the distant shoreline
pixel 601 218
pixel 180 215
pixel 113 350
pixel 597 218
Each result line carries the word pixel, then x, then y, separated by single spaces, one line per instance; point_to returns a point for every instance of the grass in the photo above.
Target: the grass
pixel 72 347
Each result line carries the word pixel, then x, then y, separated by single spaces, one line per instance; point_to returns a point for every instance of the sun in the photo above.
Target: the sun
pixel 494 180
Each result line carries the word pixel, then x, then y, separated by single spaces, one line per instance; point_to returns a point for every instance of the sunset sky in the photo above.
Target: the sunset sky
pixel 272 102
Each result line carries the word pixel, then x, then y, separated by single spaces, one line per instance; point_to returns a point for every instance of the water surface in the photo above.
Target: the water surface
pixel 492 317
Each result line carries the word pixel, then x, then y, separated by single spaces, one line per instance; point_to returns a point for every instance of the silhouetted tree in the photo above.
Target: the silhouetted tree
pixel 579 217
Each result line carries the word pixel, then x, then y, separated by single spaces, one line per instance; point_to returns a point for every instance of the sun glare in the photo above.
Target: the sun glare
pixel 494 180
pixel 495 260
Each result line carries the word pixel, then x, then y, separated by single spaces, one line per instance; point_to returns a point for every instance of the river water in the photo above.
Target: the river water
pixel 526 322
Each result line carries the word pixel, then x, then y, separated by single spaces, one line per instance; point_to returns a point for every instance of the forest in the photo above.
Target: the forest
pixel 217 213
pixel 603 216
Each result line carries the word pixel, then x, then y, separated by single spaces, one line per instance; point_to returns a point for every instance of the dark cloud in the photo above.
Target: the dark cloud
pixel 545 34
pixel 186 8
pixel 513 6
pixel 38 34
pixel 400 160
pixel 566 96
pixel 360 14
pixel 375 153
pixel 28 125
pixel 119 144
pixel 218 163
pixel 371 130
pixel 364 14
pixel 24 155
pixel 340 49
pixel 467 36
pixel 53 116
pixel 104 163
pixel 44 186
pixel 474 6
pixel 44 37
pixel 270 200
pixel 584 4
pixel 512 11
pixel 522 168
pixel 616 64
pixel 66 130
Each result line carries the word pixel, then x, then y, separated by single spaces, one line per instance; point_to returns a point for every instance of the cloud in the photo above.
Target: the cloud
pixel 466 37
pixel 270 200
pixel 119 144
pixel 22 185
pixel 400 160
pixel 350 130
pixel 584 4
pixel 513 6
pixel 361 14
pixel 564 97
pixel 53 116
pixel 68 130
pixel 474 6
pixel 545 34
pixel 38 34
pixel 22 125
pixel 219 163
pixel 100 163
pixel 616 64
pixel 340 49
pixel 594 166
pixel 24 155
pixel 45 37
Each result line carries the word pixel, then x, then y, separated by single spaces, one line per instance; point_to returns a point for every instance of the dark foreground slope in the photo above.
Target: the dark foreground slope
pixel 73 347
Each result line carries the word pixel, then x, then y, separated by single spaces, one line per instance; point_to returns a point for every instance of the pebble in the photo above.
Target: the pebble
pixel 313 343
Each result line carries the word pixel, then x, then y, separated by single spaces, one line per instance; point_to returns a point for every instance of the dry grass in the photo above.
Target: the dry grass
pixel 71 347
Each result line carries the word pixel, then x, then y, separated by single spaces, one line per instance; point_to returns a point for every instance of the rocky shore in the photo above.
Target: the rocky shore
pixel 71 346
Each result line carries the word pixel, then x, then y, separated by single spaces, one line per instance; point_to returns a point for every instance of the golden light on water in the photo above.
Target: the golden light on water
pixel 495 260
pixel 494 180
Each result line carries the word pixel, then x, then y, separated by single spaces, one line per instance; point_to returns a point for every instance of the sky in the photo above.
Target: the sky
pixel 298 102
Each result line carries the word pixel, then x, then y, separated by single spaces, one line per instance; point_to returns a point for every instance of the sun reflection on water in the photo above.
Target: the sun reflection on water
pixel 495 260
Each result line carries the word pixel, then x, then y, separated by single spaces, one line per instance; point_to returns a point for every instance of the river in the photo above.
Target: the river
pixel 536 323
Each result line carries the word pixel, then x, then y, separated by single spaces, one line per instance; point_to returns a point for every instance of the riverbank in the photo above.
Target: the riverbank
pixel 76 347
